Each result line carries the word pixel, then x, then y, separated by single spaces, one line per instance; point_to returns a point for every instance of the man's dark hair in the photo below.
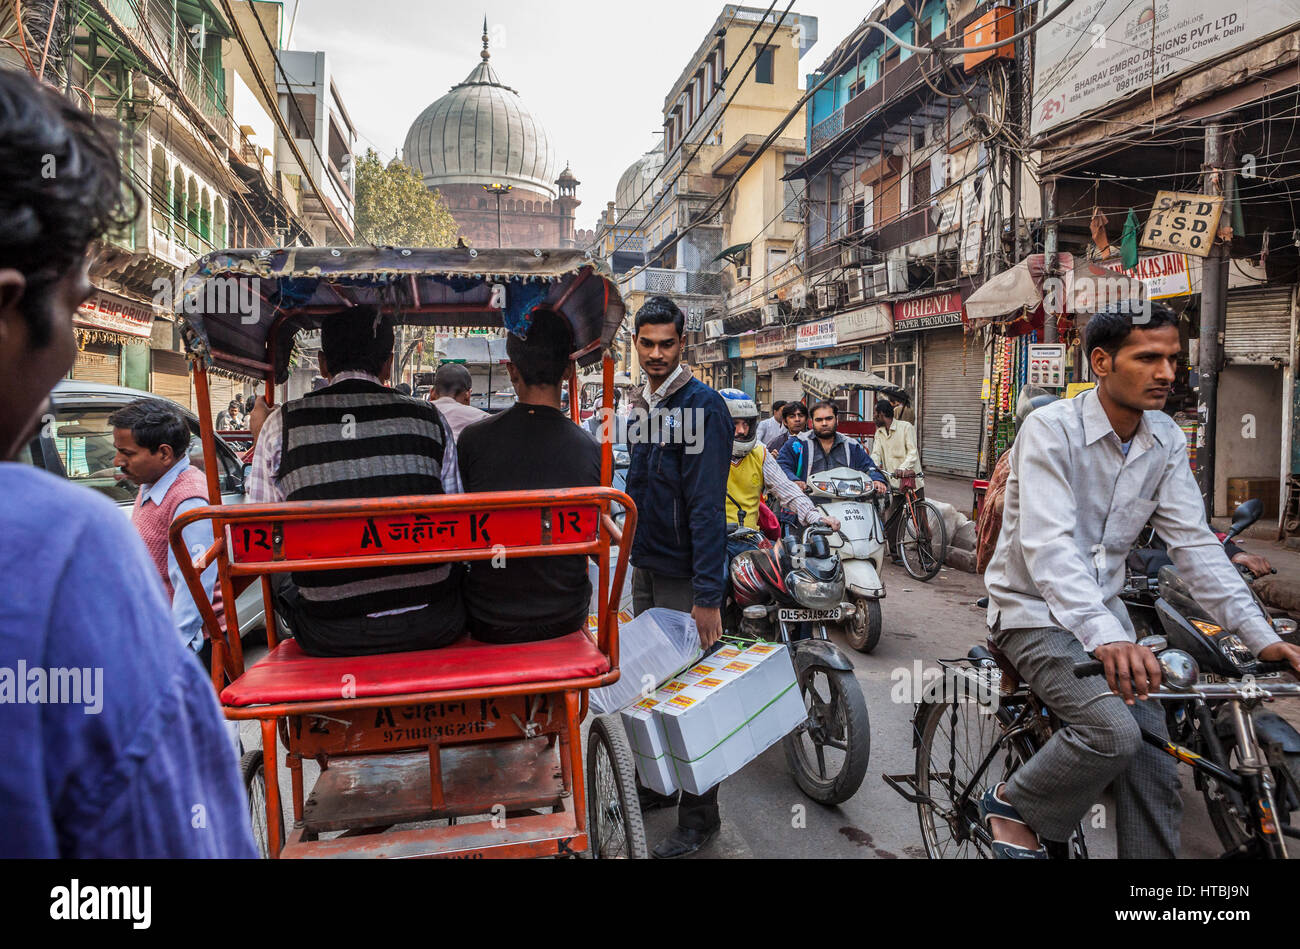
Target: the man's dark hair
pixel 777 406
pixel 402 388
pixel 235 404
pixel 1109 327
pixel 824 404
pixel 543 358
pixel 248 405
pixel 154 423
pixel 451 380
pixel 660 310
pixel 356 340
pixel 792 408
pixel 885 408
pixel 63 186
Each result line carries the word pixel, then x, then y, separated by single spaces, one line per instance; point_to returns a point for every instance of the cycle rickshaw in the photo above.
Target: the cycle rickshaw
pixel 484 737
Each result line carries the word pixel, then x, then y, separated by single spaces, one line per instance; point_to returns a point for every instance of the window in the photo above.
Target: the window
pixel 858 86
pixel 857 217
pixel 920 184
pixel 922 33
pixel 763 72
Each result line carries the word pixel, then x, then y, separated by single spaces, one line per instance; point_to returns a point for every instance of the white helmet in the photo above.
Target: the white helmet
pixel 741 406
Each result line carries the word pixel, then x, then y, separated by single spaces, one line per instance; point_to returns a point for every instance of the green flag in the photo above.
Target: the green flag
pixel 1128 242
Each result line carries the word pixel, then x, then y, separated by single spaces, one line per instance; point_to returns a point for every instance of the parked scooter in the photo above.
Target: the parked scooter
pixel 788 593
pixel 845 494
pixel 1163 604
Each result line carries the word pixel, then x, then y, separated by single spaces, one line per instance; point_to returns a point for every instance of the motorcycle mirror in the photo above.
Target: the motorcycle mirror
pixel 1247 513
pixel 1154 643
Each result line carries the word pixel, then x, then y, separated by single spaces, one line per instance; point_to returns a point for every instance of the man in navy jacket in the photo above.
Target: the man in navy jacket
pixel 679 434
pixel 823 448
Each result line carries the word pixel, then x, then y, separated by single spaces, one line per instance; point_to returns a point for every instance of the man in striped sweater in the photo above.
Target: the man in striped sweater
pixel 357 438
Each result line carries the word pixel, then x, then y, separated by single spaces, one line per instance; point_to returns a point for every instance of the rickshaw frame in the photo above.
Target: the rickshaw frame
pixel 564 831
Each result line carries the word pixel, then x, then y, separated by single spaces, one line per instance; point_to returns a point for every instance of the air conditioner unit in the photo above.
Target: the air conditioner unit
pixel 771 314
pixel 853 255
pixel 713 329
pixel 828 296
pixel 875 280
pixel 742 271
pixel 853 282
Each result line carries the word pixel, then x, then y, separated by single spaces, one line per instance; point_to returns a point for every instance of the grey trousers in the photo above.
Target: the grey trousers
pixel 1099 745
pixel 698 812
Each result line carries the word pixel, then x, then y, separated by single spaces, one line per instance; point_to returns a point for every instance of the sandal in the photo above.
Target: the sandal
pixel 990 805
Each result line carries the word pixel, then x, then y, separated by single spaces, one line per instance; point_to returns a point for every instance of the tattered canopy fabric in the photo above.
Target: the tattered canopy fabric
pixel 240 309
pixel 828 381
pixel 1085 287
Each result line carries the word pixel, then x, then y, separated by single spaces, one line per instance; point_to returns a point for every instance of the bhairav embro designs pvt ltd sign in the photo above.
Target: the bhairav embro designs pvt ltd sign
pixel 924 313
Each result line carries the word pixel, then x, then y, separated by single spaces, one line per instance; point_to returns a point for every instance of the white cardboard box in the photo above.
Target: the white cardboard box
pixel 646 736
pixel 726 710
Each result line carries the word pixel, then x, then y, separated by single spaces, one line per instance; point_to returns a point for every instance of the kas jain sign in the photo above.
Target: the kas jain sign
pixel 1099 52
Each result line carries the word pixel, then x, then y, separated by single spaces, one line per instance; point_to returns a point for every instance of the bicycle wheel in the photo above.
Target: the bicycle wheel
pixel 253 771
pixel 614 826
pixel 953 739
pixel 923 541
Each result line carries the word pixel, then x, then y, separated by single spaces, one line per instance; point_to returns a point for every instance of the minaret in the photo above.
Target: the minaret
pixel 566 204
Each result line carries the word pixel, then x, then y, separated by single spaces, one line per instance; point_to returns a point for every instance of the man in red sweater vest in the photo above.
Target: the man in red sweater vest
pixel 152 439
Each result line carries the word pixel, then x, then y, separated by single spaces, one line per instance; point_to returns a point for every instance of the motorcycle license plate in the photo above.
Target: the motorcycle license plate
pixel 808 616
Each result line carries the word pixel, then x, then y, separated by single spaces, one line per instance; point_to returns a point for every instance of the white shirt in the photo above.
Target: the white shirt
pixel 1075 504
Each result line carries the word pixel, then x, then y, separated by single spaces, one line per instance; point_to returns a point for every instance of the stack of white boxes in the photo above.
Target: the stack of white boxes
pixel 711 720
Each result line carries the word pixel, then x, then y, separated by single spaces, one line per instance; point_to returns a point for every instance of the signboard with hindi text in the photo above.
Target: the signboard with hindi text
pixel 1183 222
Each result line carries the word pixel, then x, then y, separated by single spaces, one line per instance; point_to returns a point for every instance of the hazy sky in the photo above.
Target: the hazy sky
pixel 595 72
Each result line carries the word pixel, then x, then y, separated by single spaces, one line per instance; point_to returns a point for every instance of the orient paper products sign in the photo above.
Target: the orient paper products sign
pixel 1184 222
pixel 1100 51
pixel 923 313
pixel 1162 275
pixel 816 335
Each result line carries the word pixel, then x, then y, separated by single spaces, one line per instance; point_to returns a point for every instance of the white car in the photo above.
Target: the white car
pixel 79 447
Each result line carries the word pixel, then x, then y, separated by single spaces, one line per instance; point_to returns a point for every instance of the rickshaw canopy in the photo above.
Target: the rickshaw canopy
pixel 240 309
pixel 828 381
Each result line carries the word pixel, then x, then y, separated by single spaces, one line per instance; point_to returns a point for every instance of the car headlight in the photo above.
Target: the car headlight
pixel 815 594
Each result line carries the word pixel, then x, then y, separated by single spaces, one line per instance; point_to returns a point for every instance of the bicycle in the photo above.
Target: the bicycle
pixel 985 742
pixel 923 540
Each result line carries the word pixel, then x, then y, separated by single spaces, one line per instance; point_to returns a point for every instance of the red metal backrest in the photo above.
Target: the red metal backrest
pixel 856 429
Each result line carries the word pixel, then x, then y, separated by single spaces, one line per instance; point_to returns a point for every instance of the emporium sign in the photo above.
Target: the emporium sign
pixel 816 335
pixel 1097 53
pixel 924 313
pixel 112 314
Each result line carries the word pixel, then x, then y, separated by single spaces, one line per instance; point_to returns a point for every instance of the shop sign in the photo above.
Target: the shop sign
pixel 867 322
pixel 816 335
pixel 771 363
pixel 770 342
pixel 711 352
pixel 746 347
pixel 113 314
pixel 1162 275
pixel 924 313
pixel 1184 222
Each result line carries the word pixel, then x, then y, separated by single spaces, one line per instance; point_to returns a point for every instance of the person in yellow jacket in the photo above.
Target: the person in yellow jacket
pixel 754 471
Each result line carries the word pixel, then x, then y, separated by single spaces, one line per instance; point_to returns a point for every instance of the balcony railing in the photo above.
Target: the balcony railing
pixel 913 225
pixel 827 129
pixel 687 282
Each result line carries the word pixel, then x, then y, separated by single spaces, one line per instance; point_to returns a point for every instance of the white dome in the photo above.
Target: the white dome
pixel 481 133
pixel 634 181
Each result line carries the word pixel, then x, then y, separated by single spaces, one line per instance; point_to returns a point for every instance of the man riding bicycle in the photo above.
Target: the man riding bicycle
pixel 1086 475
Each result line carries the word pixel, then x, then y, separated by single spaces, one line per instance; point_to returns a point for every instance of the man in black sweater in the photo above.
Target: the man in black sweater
pixel 530 446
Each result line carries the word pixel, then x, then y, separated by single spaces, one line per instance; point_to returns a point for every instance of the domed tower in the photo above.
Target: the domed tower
pixel 568 203
pixel 480 146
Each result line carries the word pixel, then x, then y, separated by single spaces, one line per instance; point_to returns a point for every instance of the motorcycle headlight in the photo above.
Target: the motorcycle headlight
pixel 827 486
pixel 848 489
pixel 815 594
pixel 1234 650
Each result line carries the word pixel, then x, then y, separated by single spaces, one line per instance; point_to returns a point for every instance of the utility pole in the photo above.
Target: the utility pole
pixel 498 190
pixel 1214 307
pixel 1051 269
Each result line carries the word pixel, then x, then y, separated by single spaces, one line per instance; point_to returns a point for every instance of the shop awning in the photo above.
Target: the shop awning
pixel 1084 287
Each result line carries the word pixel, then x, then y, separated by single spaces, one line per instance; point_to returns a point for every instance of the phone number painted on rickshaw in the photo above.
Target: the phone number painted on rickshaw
pixel 272 540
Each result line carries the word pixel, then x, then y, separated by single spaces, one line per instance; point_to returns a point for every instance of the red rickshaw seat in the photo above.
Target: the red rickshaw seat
pixel 287 674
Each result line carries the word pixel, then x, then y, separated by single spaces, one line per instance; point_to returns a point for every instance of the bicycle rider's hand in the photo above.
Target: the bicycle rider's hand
pixel 1129 668
pixel 708 620
pixel 1282 652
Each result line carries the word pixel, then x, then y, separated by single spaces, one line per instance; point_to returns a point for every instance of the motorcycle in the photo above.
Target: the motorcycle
pixel 845 494
pixel 1164 603
pixel 788 593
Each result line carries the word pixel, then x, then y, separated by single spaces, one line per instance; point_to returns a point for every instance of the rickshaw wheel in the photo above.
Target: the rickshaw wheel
pixel 253 770
pixel 614 826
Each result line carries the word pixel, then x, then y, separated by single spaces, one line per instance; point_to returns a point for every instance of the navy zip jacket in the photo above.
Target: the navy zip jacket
pixel 679 489
pixel 803 456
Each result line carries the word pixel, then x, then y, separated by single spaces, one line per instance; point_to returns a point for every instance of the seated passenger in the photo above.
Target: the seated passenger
pixel 357 438
pixel 530 446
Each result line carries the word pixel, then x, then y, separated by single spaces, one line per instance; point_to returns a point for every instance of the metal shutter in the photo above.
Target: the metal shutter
pixel 785 388
pixel 951 387
pixel 171 377
pixel 1258 326
pixel 98 362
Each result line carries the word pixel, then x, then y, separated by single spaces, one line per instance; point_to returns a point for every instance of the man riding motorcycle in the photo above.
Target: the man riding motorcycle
pixel 753 471
pixel 824 448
